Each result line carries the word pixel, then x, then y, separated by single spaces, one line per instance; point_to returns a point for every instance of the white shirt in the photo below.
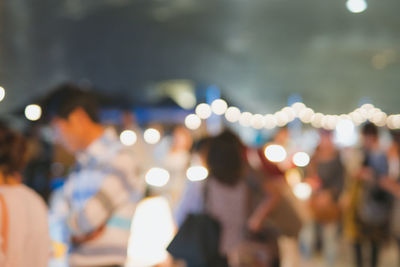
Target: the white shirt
pixel 28 236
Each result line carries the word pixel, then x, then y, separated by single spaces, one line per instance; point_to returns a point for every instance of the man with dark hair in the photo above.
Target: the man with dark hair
pixel 102 191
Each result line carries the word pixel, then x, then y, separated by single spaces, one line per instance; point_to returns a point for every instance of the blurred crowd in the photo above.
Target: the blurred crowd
pixel 110 204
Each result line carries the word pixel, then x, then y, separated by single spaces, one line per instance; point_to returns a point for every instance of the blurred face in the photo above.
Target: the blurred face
pixel 69 132
pixel 369 141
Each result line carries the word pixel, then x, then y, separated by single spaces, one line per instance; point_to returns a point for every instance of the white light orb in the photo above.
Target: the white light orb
pixel 356 6
pixel 257 121
pixel 290 113
pixel 306 115
pixel 33 112
pixel 317 120
pixel 152 136
pixel 275 153
pixel 2 93
pixel 219 106
pixel 363 112
pixel 270 121
pixel 371 113
pixel 379 119
pixel 128 137
pixel 232 114
pixel 357 117
pixel 301 159
pixel 192 121
pixel 330 121
pixel 345 133
pixel 394 121
pixel 302 191
pixel 281 118
pixel 298 107
pixel 203 111
pixel 157 177
pixel 245 119
pixel 197 173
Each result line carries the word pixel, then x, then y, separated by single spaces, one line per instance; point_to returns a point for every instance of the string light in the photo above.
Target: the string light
pixel 203 111
pixel 275 153
pixel 367 112
pixel 192 121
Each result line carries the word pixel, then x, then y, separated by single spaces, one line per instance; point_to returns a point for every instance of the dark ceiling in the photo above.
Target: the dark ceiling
pixel 258 52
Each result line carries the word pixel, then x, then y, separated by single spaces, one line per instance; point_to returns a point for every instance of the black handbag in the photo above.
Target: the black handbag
pixel 197 241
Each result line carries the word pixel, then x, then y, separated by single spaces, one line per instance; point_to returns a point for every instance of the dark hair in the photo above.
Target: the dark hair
pixel 370 129
pixel 12 151
pixel 65 98
pixel 225 158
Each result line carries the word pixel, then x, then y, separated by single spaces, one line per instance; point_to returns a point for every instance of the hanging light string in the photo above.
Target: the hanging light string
pixel 366 112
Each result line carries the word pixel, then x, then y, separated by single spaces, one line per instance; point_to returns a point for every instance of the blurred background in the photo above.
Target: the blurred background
pixel 166 71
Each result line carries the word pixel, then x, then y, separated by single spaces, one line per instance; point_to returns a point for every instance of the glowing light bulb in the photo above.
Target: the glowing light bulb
pixel 152 136
pixel 290 113
pixel 128 137
pixel 245 119
pixel 203 111
pixel 33 112
pixel 317 120
pixel 2 93
pixel 275 153
pixel 345 133
pixel 197 173
pixel 281 118
pixel 219 106
pixel 270 121
pixel 257 121
pixel 301 159
pixel 157 177
pixel 306 115
pixel 298 107
pixel 232 114
pixel 192 122
pixel 356 6
pixel 302 191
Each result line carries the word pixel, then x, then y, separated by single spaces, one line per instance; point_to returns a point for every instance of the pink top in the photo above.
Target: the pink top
pixel 28 241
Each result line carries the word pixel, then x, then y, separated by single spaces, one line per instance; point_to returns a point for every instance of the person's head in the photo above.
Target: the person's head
pixel 12 153
pixel 73 114
pixel 225 159
pixel 182 139
pixel 370 135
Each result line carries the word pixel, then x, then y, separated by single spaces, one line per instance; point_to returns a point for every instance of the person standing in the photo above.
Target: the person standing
pixel 102 191
pixel 24 235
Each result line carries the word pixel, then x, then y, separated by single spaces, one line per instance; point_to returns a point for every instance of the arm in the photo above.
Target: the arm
pixel 114 191
pixel 192 201
pixel 264 209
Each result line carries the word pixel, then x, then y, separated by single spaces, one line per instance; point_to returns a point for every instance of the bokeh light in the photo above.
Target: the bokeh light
pixel 157 177
pixel 301 159
pixel 232 114
pixel 128 137
pixel 2 93
pixel 302 191
pixel 33 112
pixel 356 6
pixel 203 111
pixel 192 122
pixel 219 106
pixel 196 173
pixel 152 136
pixel 275 153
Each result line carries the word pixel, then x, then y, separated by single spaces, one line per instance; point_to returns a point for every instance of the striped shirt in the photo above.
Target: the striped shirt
pixel 101 193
